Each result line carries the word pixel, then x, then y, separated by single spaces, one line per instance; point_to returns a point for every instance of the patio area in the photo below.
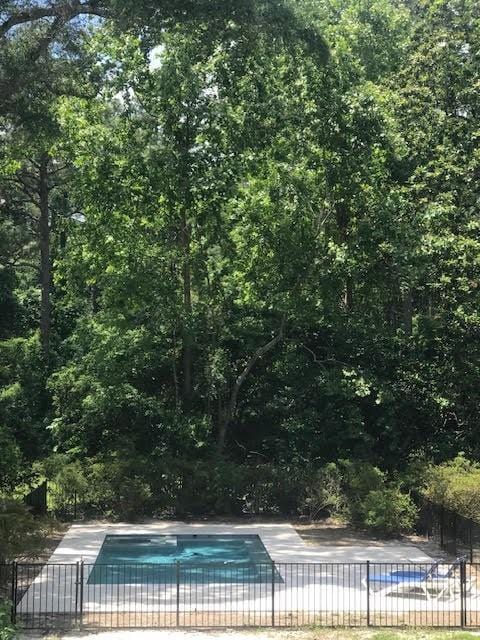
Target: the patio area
pixel 305 584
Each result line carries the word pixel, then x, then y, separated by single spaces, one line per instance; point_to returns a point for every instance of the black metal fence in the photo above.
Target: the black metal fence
pixel 37 500
pixel 52 498
pixel 93 596
pixel 454 533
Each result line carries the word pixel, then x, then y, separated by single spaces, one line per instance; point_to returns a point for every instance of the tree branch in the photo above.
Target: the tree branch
pixel 232 404
pixel 261 351
pixel 325 360
pixel 19 265
pixel 27 189
pixel 64 11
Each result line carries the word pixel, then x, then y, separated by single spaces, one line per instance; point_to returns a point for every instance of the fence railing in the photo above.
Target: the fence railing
pixel 91 596
pixel 50 497
pixel 454 533
pixel 37 499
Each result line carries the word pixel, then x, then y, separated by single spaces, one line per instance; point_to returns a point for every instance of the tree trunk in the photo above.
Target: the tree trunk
pixel 342 219
pixel 45 262
pixel 223 423
pixel 174 371
pixel 407 307
pixel 187 312
pixel 348 294
pixel 228 412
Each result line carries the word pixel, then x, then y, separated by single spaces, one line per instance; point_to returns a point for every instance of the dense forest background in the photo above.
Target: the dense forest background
pixel 239 242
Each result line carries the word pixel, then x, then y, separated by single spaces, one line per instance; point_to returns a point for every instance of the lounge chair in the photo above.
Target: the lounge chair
pixel 435 582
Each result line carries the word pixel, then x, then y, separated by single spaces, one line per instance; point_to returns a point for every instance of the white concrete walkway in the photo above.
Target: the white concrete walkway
pixel 283 544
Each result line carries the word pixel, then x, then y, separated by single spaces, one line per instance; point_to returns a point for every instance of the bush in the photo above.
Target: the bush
pixel 122 486
pixel 214 486
pixel 20 532
pixel 115 488
pixel 10 461
pixel 7 629
pixel 367 498
pixel 272 489
pixel 325 492
pixel 66 483
pixel 388 511
pixel 209 487
pixel 359 479
pixel 455 485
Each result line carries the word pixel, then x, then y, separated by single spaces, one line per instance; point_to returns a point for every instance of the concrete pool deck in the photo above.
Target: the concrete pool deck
pixel 283 543
pixel 310 576
pixel 55 590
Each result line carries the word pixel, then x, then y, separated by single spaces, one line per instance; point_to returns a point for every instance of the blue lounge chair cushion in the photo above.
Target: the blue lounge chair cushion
pixel 399 576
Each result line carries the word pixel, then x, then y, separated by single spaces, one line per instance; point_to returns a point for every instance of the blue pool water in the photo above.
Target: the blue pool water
pixel 197 559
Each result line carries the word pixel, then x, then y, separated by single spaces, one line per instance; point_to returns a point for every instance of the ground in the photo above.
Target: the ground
pixel 272 634
pixel 330 532
pixel 336 539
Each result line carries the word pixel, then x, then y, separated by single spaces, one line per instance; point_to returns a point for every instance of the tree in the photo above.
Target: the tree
pixel 239 248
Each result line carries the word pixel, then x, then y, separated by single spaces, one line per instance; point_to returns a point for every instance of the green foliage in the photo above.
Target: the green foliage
pixel 362 477
pixel 116 487
pixel 360 480
pixel 456 485
pixel 66 482
pixel 7 629
pixel 389 511
pixel 325 492
pixel 263 257
pixel 125 488
pixel 201 487
pixel 20 533
pixel 10 461
pixel 366 496
pixel 22 396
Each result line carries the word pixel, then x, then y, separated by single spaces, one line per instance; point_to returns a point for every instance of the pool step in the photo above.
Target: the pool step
pixel 170 541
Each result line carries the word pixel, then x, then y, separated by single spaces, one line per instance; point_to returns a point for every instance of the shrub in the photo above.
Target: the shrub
pixel 371 501
pixel 214 486
pixel 7 629
pixel 10 460
pixel 272 489
pixel 388 511
pixel 455 485
pixel 115 488
pixel 123 486
pixel 67 482
pixel 359 479
pixel 324 491
pixel 195 487
pixel 20 532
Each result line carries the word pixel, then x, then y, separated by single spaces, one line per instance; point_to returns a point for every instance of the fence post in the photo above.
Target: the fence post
pixel 368 593
pixel 178 593
pixel 470 537
pixel 273 593
pixel 454 533
pixel 14 592
pixel 442 524
pixel 77 584
pixel 463 583
pixel 81 594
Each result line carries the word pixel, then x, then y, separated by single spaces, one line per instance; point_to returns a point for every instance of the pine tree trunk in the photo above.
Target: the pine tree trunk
pixel 45 261
pixel 187 311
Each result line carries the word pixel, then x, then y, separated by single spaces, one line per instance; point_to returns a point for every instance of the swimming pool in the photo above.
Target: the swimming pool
pixel 143 559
